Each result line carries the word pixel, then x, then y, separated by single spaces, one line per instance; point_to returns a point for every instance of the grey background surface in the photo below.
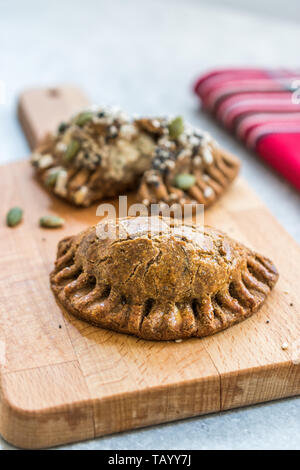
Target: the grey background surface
pixel 144 56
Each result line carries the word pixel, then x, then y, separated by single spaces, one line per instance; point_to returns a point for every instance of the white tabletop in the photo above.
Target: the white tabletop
pixel 144 57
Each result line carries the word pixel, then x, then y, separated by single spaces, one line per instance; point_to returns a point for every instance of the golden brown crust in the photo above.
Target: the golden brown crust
pixel 162 285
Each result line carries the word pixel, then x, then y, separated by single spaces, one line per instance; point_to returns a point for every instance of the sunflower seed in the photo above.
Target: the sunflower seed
pixel 61 183
pixel 207 155
pixel 71 151
pixel 80 194
pixel 208 192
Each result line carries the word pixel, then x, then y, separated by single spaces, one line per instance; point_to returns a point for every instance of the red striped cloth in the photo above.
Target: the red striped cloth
pixel 262 107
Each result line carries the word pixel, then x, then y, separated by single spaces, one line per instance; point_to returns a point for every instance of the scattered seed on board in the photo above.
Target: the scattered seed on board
pixel 51 221
pixel 284 346
pixel 14 216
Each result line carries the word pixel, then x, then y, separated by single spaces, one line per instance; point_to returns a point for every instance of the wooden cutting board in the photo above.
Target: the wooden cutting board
pixel 63 380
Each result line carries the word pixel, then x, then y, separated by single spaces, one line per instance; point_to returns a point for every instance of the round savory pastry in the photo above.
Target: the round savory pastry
pixel 159 280
pixel 103 153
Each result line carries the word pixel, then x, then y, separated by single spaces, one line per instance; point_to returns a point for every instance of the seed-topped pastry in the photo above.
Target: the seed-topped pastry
pixel 149 277
pixel 98 154
pixel 187 166
pixel 103 153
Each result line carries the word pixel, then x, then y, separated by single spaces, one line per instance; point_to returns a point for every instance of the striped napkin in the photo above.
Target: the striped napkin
pixel 262 108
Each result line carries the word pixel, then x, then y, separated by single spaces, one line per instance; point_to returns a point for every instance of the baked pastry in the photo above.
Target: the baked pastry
pixel 158 280
pixel 190 168
pixel 100 154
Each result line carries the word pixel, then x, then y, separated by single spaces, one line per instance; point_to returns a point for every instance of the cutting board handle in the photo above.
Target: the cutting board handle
pixel 40 110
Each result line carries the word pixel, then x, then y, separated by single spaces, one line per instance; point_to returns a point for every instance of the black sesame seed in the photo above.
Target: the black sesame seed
pixel 196 150
pixel 62 127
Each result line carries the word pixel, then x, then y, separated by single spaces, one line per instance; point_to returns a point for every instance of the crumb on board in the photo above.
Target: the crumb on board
pixel 284 346
pixel 178 340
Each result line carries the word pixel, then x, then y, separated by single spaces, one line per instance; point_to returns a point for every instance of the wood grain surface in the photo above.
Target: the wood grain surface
pixel 63 380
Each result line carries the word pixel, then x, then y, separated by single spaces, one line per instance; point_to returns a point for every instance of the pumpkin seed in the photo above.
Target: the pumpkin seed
pixel 52 176
pixel 14 216
pixel 71 151
pixel 83 118
pixel 51 221
pixel 184 181
pixel 176 127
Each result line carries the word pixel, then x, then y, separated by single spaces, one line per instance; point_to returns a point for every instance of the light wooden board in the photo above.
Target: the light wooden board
pixel 63 380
